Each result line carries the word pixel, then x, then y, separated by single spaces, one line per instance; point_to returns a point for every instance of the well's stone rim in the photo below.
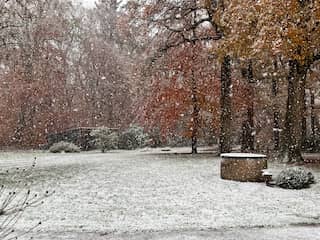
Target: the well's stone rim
pixel 243 167
pixel 242 155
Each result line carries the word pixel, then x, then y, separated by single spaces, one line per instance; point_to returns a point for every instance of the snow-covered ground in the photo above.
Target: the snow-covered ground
pixel 150 194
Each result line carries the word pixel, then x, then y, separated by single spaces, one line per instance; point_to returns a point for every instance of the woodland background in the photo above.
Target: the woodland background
pixel 229 72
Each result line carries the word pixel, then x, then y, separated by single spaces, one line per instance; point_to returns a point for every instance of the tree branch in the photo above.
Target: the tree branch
pixel 316 57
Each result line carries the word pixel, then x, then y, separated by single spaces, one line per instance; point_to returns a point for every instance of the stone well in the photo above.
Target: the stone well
pixel 243 167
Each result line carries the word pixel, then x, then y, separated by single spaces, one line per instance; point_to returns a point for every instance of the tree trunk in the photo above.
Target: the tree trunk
pixel 247 143
pixel 304 109
pixel 276 129
pixel 313 116
pixel 247 139
pixel 225 105
pixel 295 111
pixel 276 112
pixel 195 115
pixel 312 144
pixel 194 97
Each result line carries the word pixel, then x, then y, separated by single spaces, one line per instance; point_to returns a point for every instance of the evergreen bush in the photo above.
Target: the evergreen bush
pixel 64 147
pixel 105 138
pixel 132 138
pixel 295 178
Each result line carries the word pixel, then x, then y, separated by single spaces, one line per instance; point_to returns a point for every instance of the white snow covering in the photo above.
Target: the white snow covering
pixel 242 155
pixel 134 194
pixel 266 172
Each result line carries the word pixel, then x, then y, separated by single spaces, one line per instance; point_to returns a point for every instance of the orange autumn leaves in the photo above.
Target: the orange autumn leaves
pixel 169 105
pixel 266 28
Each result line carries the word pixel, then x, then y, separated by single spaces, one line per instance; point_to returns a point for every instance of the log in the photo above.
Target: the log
pixel 243 167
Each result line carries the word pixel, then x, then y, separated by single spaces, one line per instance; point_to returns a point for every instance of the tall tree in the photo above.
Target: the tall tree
pixel 180 78
pixel 292 35
pixel 248 131
pixel 183 25
pixel 225 106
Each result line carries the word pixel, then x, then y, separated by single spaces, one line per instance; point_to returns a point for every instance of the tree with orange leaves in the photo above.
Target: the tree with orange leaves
pixel 188 27
pixel 184 92
pixel 260 30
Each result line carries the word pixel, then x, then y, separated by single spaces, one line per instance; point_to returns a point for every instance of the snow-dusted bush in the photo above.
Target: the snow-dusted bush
pixel 15 198
pixel 64 147
pixel 132 138
pixel 105 138
pixel 178 141
pixel 295 178
pixel 155 138
pixel 312 144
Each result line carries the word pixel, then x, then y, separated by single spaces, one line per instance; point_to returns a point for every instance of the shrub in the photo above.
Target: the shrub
pixel 134 137
pixel 15 198
pixel 105 139
pixel 64 147
pixel 154 138
pixel 312 144
pixel 295 178
pixel 178 141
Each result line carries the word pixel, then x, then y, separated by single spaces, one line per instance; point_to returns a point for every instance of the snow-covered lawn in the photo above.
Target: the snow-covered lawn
pixel 159 195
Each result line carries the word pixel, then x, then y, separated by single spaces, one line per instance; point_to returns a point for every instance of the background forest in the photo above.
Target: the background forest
pixel 229 72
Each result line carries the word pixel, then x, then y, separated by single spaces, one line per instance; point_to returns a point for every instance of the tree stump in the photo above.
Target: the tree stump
pixel 243 167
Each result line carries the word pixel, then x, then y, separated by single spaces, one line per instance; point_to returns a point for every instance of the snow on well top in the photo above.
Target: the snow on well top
pixel 242 155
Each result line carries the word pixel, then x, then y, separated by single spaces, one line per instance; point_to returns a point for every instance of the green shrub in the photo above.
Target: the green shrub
pixel 295 178
pixel 312 144
pixel 132 138
pixel 178 141
pixel 64 147
pixel 105 139
pixel 155 139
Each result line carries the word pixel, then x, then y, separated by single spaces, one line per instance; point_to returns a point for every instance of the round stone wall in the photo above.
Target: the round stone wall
pixel 244 167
